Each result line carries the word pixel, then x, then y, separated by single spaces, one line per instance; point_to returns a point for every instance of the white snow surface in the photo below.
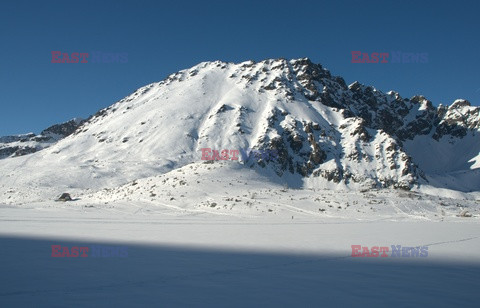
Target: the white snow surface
pixel 216 235
pixel 221 234
pixel 164 125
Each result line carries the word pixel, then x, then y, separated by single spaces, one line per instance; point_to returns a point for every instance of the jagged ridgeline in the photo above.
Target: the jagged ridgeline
pixel 18 145
pixel 320 127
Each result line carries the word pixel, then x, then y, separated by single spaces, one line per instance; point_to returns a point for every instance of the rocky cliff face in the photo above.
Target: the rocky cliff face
pixel 320 127
pixel 18 145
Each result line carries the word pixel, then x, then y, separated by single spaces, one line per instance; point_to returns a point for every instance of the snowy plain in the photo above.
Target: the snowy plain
pixel 222 234
pixel 232 242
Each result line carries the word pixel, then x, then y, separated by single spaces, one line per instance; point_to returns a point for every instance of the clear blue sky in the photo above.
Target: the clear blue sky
pixel 162 37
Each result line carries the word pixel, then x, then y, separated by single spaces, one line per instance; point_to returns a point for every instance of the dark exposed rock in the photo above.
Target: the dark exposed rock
pixel 8 151
pixel 64 197
pixel 12 146
pixel 306 147
pixel 64 129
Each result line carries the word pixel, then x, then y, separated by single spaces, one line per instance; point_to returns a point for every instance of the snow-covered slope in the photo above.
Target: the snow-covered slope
pixel 326 134
pixel 449 153
pixel 18 145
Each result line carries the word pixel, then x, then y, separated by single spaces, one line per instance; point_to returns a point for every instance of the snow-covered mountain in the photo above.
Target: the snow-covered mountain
pixel 326 133
pixel 18 145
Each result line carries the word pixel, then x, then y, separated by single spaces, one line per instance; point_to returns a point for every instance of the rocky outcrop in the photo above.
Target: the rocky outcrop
pixel 19 145
pixel 319 126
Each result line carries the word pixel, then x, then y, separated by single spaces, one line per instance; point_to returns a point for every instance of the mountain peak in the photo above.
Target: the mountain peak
pixel 325 132
pixel 460 103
